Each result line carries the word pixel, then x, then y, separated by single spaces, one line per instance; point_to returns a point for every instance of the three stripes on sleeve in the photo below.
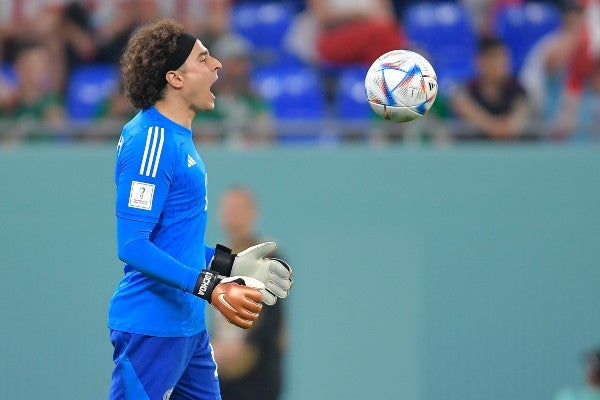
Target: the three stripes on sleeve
pixel 152 151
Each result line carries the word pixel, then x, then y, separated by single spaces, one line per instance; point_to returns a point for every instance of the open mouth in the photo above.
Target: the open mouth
pixel 211 92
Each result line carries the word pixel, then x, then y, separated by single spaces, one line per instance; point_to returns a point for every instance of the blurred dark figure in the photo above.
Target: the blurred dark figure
pixel 591 390
pixel 78 35
pixel 249 362
pixel 493 105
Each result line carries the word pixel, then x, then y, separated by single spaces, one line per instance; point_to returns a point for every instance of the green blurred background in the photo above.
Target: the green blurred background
pixel 464 273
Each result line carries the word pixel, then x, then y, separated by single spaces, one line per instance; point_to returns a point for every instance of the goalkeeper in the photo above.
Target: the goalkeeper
pixel 156 315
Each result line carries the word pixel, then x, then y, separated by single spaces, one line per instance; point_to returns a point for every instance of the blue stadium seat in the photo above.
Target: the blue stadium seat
pixel 350 96
pixel 295 94
pixel 88 87
pixel 521 26
pixel 265 26
pixel 443 32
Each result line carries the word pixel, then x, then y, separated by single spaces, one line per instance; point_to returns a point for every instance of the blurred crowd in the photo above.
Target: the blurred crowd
pixel 509 70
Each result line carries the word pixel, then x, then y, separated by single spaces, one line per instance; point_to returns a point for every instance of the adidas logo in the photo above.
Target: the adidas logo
pixel 191 161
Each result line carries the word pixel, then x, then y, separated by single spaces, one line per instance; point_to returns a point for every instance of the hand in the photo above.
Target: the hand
pixel 274 273
pixel 238 299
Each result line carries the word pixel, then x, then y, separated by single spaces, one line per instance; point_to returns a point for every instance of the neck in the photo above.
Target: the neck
pixel 174 109
pixel 491 88
pixel 241 241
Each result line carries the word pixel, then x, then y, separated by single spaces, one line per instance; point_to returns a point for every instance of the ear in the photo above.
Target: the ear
pixel 175 79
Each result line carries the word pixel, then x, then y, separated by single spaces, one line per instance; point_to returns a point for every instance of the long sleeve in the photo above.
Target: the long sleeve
pixel 136 249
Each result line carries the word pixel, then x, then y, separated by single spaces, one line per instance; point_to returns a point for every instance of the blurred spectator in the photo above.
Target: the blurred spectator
pixel 581 67
pixel 240 114
pixel 32 98
pixel 192 14
pixel 494 105
pixel 249 362
pixel 591 391
pixel 544 70
pixel 116 22
pixel 79 37
pixel 39 21
pixel 579 113
pixel 345 31
pixel 559 75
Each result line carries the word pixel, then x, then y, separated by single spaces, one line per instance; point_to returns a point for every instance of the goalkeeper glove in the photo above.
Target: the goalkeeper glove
pixel 274 273
pixel 237 298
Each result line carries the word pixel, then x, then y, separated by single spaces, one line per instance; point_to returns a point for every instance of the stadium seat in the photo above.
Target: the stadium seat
pixel 521 26
pixel 295 95
pixel 88 87
pixel 350 96
pixel 444 34
pixel 265 26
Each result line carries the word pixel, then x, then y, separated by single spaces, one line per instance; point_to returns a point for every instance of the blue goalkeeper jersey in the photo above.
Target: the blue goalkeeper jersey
pixel 161 209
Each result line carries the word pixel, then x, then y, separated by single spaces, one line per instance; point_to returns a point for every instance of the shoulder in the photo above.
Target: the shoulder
pixel 148 144
pixel 145 133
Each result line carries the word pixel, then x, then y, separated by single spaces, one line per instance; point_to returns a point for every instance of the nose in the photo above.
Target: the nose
pixel 218 64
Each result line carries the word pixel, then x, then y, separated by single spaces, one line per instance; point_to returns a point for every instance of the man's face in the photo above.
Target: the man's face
pixel 199 73
pixel 237 213
pixel 494 65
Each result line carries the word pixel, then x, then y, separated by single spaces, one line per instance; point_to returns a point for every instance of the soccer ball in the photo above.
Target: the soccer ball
pixel 401 85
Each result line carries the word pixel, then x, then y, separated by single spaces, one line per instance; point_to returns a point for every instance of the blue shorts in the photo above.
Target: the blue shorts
pixel 163 368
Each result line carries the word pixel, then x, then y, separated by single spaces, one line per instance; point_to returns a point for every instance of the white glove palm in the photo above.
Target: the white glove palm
pixel 274 273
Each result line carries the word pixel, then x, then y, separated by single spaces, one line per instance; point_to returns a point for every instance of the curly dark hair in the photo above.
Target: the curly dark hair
pixel 144 59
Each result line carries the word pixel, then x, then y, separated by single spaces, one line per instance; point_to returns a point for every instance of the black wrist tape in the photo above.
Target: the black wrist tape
pixel 207 280
pixel 222 262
